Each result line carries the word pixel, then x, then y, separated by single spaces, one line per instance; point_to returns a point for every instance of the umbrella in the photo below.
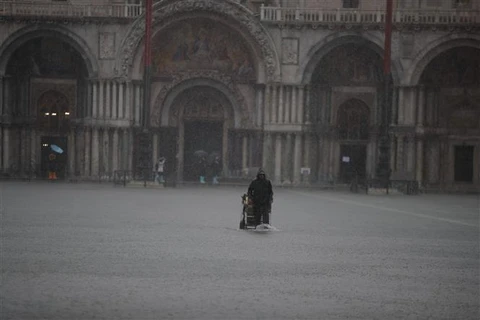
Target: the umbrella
pixel 56 148
pixel 200 154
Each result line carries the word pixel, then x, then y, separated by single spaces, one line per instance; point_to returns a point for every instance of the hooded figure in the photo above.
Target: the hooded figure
pixel 261 193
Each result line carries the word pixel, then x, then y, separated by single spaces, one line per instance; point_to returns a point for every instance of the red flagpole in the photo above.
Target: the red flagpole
pixel 148 63
pixel 388 38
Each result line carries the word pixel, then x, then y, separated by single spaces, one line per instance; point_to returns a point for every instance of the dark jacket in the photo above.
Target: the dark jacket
pixel 260 190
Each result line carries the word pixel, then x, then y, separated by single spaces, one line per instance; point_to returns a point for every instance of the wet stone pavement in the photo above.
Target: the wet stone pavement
pixel 90 251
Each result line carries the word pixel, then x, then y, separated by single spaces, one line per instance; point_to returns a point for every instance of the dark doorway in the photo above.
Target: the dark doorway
pixel 200 135
pixel 52 160
pixel 464 163
pixel 353 160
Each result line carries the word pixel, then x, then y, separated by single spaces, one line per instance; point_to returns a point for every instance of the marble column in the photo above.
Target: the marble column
pixel 306 105
pixel 287 172
pixel 114 100
pixel 79 152
pixel 88 151
pixel 302 115
pixel 137 104
pixel 128 101
pixel 420 106
pixel 129 137
pixel 419 162
pixel 33 149
pixel 1 97
pixel 259 105
pixel 115 150
pixel 244 151
pixel 280 104
pixel 307 152
pixel 265 150
pixel 95 153
pixel 297 158
pixel 108 101
pixel 101 99
pixel 180 151
pixel 121 100
pixel 155 148
pixel 105 150
pixel 294 112
pixel 6 148
pixel 71 153
pixel 278 158
pixel 267 104
pixel 401 106
pixel 24 146
pixel 274 104
pixel 94 99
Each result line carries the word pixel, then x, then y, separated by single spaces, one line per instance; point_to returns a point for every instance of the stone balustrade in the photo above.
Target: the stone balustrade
pixel 358 16
pixel 67 10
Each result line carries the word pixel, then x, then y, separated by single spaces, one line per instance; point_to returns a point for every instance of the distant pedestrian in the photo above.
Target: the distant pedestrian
pixel 216 169
pixel 202 168
pixel 52 167
pixel 160 170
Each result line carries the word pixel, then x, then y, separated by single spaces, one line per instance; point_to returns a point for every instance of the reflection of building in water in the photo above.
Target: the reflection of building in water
pixel 278 87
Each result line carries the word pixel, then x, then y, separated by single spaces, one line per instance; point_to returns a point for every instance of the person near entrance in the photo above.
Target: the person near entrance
pixel 52 167
pixel 202 168
pixel 261 193
pixel 160 170
pixel 216 168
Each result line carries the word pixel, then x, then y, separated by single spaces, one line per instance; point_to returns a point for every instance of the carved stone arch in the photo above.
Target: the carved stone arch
pixel 166 97
pixel 335 40
pixel 433 49
pixel 230 10
pixel 22 36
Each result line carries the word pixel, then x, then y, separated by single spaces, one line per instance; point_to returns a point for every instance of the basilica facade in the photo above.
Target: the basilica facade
pixel 296 88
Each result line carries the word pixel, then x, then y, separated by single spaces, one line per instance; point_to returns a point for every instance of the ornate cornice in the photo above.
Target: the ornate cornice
pixel 165 10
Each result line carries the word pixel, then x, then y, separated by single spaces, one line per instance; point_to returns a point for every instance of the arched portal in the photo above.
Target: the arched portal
pixel 452 119
pixel 204 116
pixel 343 104
pixel 45 87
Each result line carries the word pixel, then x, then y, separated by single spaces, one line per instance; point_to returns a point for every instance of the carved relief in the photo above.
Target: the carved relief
pixel 106 45
pixel 226 9
pixel 201 44
pixel 290 50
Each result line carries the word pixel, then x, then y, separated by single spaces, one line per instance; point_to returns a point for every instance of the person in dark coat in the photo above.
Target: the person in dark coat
pixel 216 168
pixel 202 168
pixel 261 193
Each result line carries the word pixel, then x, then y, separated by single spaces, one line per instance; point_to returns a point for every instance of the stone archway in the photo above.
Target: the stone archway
pixel 203 117
pixel 228 11
pixel 24 35
pixel 432 50
pixel 306 71
pixel 451 119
